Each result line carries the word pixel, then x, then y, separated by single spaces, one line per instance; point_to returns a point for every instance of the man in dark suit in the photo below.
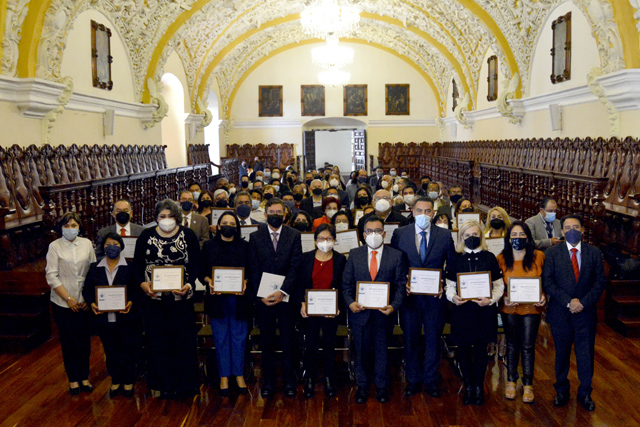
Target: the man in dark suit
pixel 276 249
pixel 425 246
pixel 192 219
pixel 243 209
pixel 122 213
pixel 573 278
pixel 313 203
pixel 375 179
pixel 371 327
pixel 257 165
pixel 383 209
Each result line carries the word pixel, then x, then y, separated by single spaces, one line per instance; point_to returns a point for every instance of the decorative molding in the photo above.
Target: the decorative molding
pixel 597 89
pixel 401 123
pixel 193 123
pixel 207 116
pixel 622 88
pixel 268 124
pixel 463 104
pixel 52 115
pixel 505 102
pixel 226 126
pixel 16 12
pixel 441 127
pixel 162 108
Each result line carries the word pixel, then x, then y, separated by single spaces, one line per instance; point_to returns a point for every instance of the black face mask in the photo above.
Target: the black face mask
pixel 472 242
pixel 467 210
pixel 206 203
pixel 455 198
pixel 301 226
pixel 298 197
pixel 186 206
pixel 362 180
pixel 123 218
pixel 225 189
pixel 519 243
pixel 318 177
pixel 222 204
pixel 268 196
pixel 308 182
pixel 275 220
pixel 228 231
pixel 425 186
pixel 497 223
pixel 363 200
pixel 244 184
pixel 317 191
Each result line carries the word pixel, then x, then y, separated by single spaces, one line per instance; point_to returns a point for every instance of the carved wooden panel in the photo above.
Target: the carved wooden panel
pixel 272 155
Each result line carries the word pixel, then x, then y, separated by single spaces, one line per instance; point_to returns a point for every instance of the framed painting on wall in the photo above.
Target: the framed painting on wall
pixel 101 58
pixel 270 101
pixel 396 99
pixel 312 100
pixel 561 50
pixel 355 100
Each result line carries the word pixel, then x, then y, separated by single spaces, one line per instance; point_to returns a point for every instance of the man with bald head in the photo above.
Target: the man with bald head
pixel 382 205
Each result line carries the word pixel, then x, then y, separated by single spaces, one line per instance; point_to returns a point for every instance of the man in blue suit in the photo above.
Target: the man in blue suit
pixel 425 246
pixel 573 279
pixel 371 328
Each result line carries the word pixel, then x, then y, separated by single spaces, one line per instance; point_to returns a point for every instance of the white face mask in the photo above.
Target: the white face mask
pixel 395 188
pixel 250 187
pixel 382 205
pixel 342 226
pixel 255 204
pixel 167 224
pixel 325 246
pixel 408 199
pixel 196 195
pixel 275 176
pixel 442 225
pixel 232 190
pixel 393 173
pixel 276 187
pixel 259 178
pixel 374 241
pixel 331 212
pixel 384 184
pixel 433 195
pixel 333 183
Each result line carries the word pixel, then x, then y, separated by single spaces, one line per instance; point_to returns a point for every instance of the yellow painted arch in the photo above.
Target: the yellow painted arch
pixel 427 78
pixel 623 15
pixel 31 34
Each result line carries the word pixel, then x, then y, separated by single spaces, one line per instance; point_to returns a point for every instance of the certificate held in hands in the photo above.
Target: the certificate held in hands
pixel 425 281
pixel 322 302
pixel 270 283
pixel 525 290
pixel 474 285
pixel 373 294
pixel 228 280
pixel 111 298
pixel 167 278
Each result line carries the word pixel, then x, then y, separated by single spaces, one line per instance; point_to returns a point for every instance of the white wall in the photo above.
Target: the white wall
pixel 173 127
pixel 335 148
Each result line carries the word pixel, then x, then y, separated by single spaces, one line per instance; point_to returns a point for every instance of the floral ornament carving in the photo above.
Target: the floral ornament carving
pixel 605 29
pixel 597 89
pixel 202 109
pixel 16 12
pixel 441 127
pixel 509 88
pixel 636 16
pixel 162 108
pixel 226 126
pixel 463 105
pixel 63 100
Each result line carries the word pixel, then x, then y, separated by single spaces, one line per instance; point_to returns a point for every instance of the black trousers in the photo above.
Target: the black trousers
pixel 521 332
pixel 75 338
pixel 280 317
pixel 119 340
pixel 313 341
pixel 583 336
pixel 371 342
pixel 473 363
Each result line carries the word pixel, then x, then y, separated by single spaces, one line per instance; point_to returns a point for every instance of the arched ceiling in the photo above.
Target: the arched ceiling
pixel 222 41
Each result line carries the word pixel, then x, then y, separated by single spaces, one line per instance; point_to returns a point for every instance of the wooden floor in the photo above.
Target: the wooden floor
pixel 33 392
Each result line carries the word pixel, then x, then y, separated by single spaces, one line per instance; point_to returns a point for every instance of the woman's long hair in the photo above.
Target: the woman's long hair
pixel 530 254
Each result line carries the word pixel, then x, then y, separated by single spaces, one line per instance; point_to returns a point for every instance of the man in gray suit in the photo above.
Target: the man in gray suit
pixel 545 227
pixel 191 219
pixel 122 213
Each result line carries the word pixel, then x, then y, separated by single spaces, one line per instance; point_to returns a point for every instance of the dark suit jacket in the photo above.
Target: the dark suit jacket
pixel 305 278
pixel 97 276
pixel 392 269
pixel 200 225
pixel 440 246
pixel 559 283
pixel 284 262
pixel 135 231
pixel 394 216
pixel 307 205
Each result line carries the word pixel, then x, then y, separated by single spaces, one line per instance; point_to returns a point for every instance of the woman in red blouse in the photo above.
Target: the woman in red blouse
pixel 321 269
pixel 330 207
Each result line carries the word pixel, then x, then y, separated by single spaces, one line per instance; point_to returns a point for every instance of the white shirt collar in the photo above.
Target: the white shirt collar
pixel 121 261
pixel 420 230
pixel 578 246
pixel 279 231
pixel 475 251
pixel 378 250
pixel 68 243
pixel 126 227
pixel 188 216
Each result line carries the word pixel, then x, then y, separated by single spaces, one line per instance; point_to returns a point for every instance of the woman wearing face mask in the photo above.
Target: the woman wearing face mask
pixel 302 222
pixel 474 323
pixel 342 221
pixel 170 329
pixel 521 321
pixel 228 314
pixel 463 205
pixel 117 331
pixel 362 198
pixel 498 222
pixel 268 192
pixel 330 207
pixel 442 220
pixel 205 203
pixel 68 261
pixel 321 269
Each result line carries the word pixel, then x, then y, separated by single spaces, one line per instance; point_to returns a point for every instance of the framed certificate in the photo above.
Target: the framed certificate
pixel 346 240
pixel 129 246
pixel 216 213
pixel 166 278
pixel 111 298
pixel 359 214
pixel 322 302
pixel 525 290
pixel 373 294
pixel 466 217
pixel 406 214
pixel 390 227
pixel 246 230
pixel 425 281
pixel 495 245
pixel 228 280
pixel 308 241
pixel 474 285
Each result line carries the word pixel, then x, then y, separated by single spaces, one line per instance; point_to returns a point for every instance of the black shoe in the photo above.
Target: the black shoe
pixel 290 389
pixel 433 390
pixel 329 389
pixel 362 395
pixel 479 396
pixel 309 388
pixel 412 389
pixel 469 396
pixel 223 392
pixel 113 392
pixel 382 395
pixel 241 390
pixel 267 391
pixel 561 399
pixel 74 391
pixel 86 388
pixel 587 403
pixel 127 393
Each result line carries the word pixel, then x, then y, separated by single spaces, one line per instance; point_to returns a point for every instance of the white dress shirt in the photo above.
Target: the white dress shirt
pixel 378 256
pixel 127 229
pixel 111 275
pixel 68 264
pixel 578 254
pixel 188 218
pixel 419 236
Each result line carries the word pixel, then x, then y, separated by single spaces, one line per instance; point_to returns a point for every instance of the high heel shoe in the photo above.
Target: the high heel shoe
pixel 86 388
pixel 74 391
pixel 128 393
pixel 242 389
pixel 113 392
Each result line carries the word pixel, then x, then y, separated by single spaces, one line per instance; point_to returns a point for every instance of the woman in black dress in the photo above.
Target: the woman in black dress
pixel 229 314
pixel 170 326
pixel 474 323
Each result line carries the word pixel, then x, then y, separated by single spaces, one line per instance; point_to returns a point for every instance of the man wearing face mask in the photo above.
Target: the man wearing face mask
pixel 371 327
pixel 276 249
pixel 243 169
pixel 545 227
pixel 435 193
pixel 386 183
pixel 191 219
pixel 573 278
pixel 375 179
pixel 243 209
pixel 221 198
pixel 425 246
pixel 408 197
pixel 122 213
pixel 196 190
pixel 257 213
pixel 424 185
pixel 383 209
pixel 257 165
pixel 334 182
pixel 313 205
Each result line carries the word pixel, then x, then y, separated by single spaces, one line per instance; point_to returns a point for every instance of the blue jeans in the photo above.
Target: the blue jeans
pixel 230 338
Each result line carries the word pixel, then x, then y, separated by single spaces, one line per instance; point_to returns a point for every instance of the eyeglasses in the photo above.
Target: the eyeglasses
pixel 342 221
pixel 322 239
pixel 378 231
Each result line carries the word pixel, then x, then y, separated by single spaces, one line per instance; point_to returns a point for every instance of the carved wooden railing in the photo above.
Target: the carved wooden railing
pixel 272 155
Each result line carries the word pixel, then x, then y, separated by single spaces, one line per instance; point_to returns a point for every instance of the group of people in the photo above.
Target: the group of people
pixel 285 204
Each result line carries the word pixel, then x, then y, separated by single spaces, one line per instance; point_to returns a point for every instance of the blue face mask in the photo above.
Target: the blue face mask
pixel 573 236
pixel 243 210
pixel 550 216
pixel 423 221
pixel 70 233
pixel 112 251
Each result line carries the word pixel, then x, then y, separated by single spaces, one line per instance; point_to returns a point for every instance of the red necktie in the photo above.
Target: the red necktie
pixel 123 232
pixel 574 263
pixel 373 268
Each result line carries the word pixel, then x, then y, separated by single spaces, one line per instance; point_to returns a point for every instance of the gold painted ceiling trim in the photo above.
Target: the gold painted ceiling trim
pixel 623 15
pixel 305 42
pixel 3 22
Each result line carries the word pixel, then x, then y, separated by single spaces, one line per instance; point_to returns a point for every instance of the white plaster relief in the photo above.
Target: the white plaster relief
pixel 16 12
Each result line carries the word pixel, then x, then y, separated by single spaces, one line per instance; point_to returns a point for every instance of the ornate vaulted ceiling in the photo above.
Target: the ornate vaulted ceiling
pixel 222 41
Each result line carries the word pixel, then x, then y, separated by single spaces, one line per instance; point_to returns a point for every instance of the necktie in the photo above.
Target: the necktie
pixel 243 222
pixel 373 267
pixel 275 241
pixel 186 221
pixel 123 232
pixel 549 228
pixel 423 246
pixel 574 263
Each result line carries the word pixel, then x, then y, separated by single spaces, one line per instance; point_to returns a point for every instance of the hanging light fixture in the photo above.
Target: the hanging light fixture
pixel 334 77
pixel 326 18
pixel 332 55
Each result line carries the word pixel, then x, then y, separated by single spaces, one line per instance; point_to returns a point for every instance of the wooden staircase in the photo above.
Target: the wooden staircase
pixel 622 307
pixel 25 319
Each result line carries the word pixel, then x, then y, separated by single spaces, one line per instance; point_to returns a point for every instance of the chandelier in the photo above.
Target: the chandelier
pixel 326 18
pixel 334 77
pixel 332 55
